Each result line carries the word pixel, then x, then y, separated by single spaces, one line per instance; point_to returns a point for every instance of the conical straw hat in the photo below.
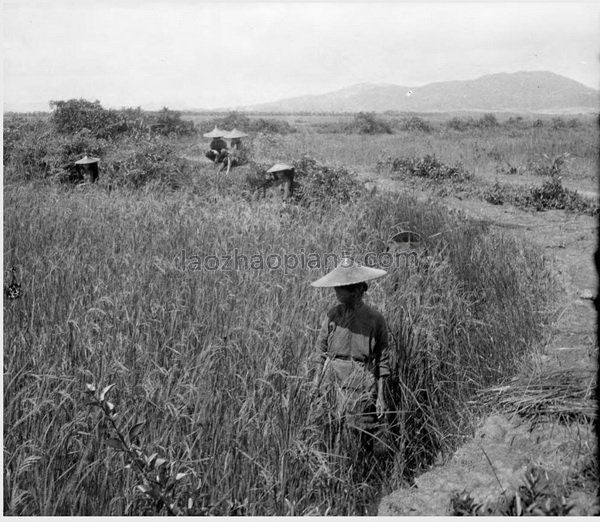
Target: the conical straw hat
pixel 407 236
pixel 215 133
pixel 279 166
pixel 86 160
pixel 348 272
pixel 234 133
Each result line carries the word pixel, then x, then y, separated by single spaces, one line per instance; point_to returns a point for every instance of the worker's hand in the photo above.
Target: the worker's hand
pixel 380 406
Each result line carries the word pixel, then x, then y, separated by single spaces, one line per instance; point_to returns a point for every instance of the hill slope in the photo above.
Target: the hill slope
pixel 517 92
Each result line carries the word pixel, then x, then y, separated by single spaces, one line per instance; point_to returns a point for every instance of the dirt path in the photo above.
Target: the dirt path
pixel 504 446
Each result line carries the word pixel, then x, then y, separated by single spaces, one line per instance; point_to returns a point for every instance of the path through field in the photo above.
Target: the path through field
pixel 497 457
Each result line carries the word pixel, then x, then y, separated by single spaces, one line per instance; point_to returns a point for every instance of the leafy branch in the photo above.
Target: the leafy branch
pixel 157 476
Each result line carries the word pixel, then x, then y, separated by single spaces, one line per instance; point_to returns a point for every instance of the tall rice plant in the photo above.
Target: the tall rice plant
pixel 214 362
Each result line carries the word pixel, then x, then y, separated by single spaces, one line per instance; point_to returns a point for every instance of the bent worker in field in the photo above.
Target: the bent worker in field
pixel 87 168
pixel 218 146
pixel 282 174
pixel 352 355
pixel 237 154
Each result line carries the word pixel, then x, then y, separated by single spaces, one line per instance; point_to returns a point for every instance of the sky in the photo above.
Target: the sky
pixel 189 54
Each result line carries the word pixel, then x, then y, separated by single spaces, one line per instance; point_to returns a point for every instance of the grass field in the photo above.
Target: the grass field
pixel 485 152
pixel 215 362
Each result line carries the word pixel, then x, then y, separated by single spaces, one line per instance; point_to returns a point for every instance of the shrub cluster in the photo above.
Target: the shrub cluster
pixel 148 162
pixel 558 123
pixel 368 123
pixel 551 195
pixel 167 122
pixel 72 116
pixel 319 182
pixel 487 121
pixel 414 124
pixel 314 182
pixel 545 165
pixel 426 167
pixel 241 121
pixel 48 147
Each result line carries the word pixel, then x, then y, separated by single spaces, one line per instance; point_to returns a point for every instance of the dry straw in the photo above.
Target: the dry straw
pixel 563 394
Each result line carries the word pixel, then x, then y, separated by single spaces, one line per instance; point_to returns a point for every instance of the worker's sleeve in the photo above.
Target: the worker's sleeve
pixel 383 350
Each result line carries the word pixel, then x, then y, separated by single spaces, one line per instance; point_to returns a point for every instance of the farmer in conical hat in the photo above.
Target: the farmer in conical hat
pixel 217 145
pixel 237 154
pixel 236 138
pixel 282 174
pixel 352 350
pixel 88 166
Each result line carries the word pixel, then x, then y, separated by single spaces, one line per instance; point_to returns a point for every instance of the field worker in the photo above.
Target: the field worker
pixel 217 145
pixel 282 174
pixel 352 355
pixel 236 139
pixel 236 154
pixel 88 168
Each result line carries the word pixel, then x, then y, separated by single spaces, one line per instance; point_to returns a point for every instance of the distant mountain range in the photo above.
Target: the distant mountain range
pixel 529 91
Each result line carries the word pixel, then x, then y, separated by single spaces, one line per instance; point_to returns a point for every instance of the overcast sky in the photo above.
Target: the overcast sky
pixel 190 54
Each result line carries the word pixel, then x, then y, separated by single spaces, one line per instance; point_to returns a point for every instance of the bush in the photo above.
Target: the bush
pixel 233 119
pixel 459 124
pixel 167 122
pixel 318 182
pixel 72 116
pixel 242 122
pixel 368 123
pixel 141 163
pixel 487 121
pixel 271 126
pixel 559 124
pixel 65 150
pixel 551 195
pixel 494 195
pixel 545 165
pixel 39 149
pixel 33 150
pixel 314 182
pixel 427 167
pixel 516 121
pixel 415 124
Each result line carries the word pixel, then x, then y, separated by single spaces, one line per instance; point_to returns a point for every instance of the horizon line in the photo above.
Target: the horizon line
pixel 249 107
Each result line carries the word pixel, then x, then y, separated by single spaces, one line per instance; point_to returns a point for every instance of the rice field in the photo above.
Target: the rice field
pixel 210 374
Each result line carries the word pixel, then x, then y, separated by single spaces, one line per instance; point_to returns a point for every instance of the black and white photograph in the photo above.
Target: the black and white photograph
pixel 300 258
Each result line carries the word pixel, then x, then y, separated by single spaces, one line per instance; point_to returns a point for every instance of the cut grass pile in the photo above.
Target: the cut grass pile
pixel 215 361
pixel 564 395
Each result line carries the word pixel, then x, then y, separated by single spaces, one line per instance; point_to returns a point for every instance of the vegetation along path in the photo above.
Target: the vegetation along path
pixel 539 435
